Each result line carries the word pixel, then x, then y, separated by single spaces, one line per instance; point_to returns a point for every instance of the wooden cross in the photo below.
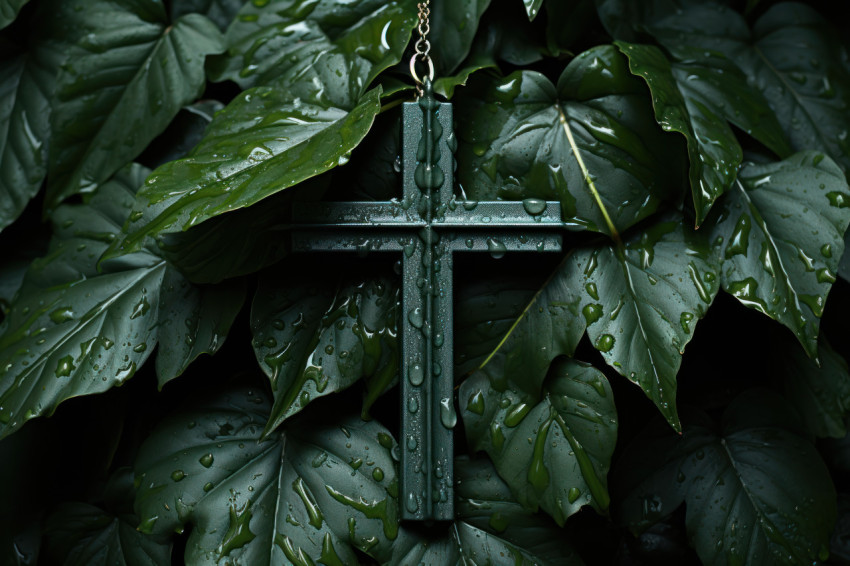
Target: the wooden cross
pixel 428 225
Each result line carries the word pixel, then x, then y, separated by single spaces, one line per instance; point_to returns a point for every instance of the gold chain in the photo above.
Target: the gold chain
pixel 423 47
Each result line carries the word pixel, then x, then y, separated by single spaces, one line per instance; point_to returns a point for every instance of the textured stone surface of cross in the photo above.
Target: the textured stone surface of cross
pixel 428 226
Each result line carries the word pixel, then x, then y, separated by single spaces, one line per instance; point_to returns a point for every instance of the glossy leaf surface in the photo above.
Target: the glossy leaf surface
pixel 642 301
pixel 334 47
pixel 314 336
pixel 73 330
pixel 315 492
pixel 128 74
pixel 572 424
pixel 453 27
pixel 756 492
pixel 780 235
pixel 506 329
pixel 264 141
pixel 791 56
pixel 693 98
pixel 28 82
pixel 532 7
pixel 590 142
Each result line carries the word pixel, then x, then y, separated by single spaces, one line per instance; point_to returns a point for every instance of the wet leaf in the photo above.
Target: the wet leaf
pixel 695 98
pixel 532 7
pixel 642 302
pixel 264 141
pixel 28 82
pixel 75 330
pixel 791 55
pixel 508 328
pixel 490 527
pixel 779 233
pixel 590 142
pixel 9 11
pixel 553 447
pixel 315 492
pixel 335 48
pixel 755 491
pixel 318 334
pixel 127 75
pixel 453 27
pixel 820 394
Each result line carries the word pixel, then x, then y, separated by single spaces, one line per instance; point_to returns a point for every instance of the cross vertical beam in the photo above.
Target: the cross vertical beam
pixel 426 364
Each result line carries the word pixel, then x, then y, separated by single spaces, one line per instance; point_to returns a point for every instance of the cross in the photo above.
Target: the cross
pixel 427 226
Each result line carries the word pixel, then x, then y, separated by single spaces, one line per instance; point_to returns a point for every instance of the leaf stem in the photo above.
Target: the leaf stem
pixel 586 174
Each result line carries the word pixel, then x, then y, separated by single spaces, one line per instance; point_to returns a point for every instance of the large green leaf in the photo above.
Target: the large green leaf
pixel 316 491
pixel 316 334
pixel 265 141
pixel 505 328
pixel 28 82
pixel 453 27
pixel 590 142
pixel 820 394
pixel 571 422
pixel 9 11
pixel 313 494
pixel 337 45
pixel 791 55
pixel 491 528
pixel 128 74
pixel 73 330
pixel 756 492
pixel 780 235
pixel 694 98
pixel 642 302
pixel 532 7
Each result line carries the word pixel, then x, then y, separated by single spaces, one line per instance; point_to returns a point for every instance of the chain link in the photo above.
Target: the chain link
pixel 422 47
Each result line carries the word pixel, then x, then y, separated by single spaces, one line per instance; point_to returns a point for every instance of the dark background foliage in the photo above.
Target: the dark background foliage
pixel 150 154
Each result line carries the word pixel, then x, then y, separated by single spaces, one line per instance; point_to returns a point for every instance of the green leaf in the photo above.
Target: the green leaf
pixel 820 394
pixel 335 46
pixel 506 328
pixel 265 141
pixel 490 527
pixel 590 143
pixel 183 133
pixel 755 491
pixel 9 11
pixel 532 7
pixel 73 330
pixel 28 82
pixel 315 492
pixel 692 98
pixel 221 12
pixel 314 336
pixel 642 302
pixel 780 234
pixel 792 56
pixel 453 27
pixel 445 86
pixel 572 424
pixel 126 77
pixel 81 534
